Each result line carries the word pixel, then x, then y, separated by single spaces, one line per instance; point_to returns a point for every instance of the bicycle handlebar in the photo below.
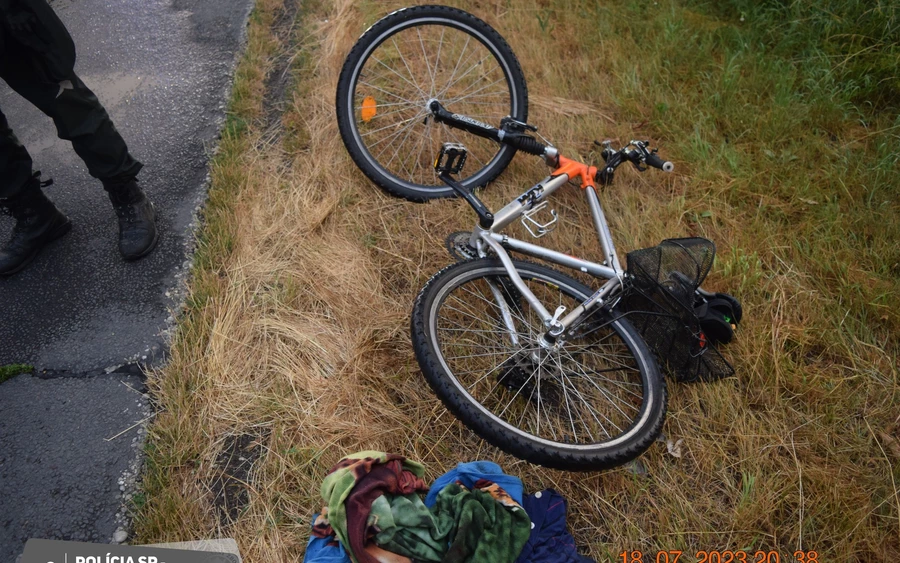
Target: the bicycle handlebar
pixel 512 133
pixel 653 160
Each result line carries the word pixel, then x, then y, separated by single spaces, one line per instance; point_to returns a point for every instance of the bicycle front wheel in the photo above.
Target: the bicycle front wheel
pixel 397 67
pixel 593 400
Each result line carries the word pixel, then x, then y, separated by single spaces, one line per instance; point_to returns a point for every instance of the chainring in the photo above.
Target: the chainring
pixel 457 245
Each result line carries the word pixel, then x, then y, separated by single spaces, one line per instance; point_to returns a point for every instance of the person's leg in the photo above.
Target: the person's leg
pixel 15 162
pixel 81 119
pixel 38 221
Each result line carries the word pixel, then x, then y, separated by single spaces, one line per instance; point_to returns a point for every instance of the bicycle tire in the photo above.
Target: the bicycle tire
pixel 562 452
pixel 420 182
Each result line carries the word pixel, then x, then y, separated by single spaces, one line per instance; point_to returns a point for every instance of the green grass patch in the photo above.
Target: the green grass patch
pixel 12 370
pixel 848 48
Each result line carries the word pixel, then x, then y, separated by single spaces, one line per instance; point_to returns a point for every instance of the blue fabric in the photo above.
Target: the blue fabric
pixel 550 540
pixel 318 550
pixel 469 473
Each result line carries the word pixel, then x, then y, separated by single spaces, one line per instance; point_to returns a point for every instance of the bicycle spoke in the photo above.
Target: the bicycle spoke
pixel 584 404
pixel 463 75
pixel 387 93
pixel 608 357
pixel 391 137
pixel 475 92
pixel 425 60
pixel 437 59
pixel 593 412
pixel 389 104
pixel 489 373
pixel 511 311
pixel 495 306
pixel 518 391
pixel 405 64
pixel 381 116
pixel 367 133
pixel 455 68
pixel 416 86
pixel 566 397
pixel 594 383
pixel 525 410
pixel 477 95
pixel 608 396
pixel 397 149
pixel 468 312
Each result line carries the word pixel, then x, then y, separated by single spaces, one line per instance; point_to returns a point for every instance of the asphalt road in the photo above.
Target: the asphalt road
pixel 162 68
pixel 62 457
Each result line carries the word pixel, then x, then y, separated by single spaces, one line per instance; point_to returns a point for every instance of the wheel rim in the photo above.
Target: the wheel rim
pixel 586 395
pixel 405 68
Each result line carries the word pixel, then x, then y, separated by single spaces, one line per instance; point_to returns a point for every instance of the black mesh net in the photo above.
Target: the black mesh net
pixel 660 303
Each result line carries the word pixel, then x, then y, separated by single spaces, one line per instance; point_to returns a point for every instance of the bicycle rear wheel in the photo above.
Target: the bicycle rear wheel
pixel 595 401
pixel 396 68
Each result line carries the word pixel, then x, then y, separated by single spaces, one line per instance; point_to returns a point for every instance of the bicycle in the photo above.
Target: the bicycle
pixel 534 361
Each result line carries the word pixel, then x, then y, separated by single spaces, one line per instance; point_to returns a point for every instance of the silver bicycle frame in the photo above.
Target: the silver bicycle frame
pixel 610 269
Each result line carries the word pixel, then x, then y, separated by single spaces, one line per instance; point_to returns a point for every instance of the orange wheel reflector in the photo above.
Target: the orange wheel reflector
pixel 368 109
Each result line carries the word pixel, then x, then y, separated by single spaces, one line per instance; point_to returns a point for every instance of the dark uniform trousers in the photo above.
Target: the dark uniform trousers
pixel 79 118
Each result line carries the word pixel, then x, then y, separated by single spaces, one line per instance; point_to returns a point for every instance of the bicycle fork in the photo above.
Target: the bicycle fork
pixel 505 313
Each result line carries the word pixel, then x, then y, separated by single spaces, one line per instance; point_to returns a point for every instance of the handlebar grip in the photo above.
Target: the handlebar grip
pixel 656 162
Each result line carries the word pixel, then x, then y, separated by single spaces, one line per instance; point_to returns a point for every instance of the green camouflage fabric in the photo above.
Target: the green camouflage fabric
pixel 349 491
pixel 483 525
pixel 372 505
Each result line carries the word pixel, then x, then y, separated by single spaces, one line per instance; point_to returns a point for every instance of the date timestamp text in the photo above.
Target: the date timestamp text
pixel 718 556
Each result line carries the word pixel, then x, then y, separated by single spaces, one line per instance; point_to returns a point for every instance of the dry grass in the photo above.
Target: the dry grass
pixel 297 324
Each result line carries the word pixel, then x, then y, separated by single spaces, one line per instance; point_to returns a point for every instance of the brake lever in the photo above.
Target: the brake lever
pixel 607 151
pixel 638 156
pixel 635 157
pixel 516 125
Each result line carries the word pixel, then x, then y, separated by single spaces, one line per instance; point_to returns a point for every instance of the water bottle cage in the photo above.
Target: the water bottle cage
pixel 538 228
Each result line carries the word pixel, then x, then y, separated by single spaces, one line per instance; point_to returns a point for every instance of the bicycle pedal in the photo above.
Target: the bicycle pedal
pixel 536 227
pixel 451 159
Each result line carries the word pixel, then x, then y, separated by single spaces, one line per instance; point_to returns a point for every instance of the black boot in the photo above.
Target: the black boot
pixel 38 222
pixel 137 220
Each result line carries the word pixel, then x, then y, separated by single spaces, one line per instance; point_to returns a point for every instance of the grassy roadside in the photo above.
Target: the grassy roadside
pixel 780 162
pixel 178 441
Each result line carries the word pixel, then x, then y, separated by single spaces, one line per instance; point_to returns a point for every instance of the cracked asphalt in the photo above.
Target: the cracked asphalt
pixel 79 313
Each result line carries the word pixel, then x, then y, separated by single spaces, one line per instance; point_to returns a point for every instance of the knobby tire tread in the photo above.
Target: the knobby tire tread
pixel 533 452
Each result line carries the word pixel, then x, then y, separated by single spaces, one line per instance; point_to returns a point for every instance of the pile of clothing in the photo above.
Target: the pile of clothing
pixel 475 513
